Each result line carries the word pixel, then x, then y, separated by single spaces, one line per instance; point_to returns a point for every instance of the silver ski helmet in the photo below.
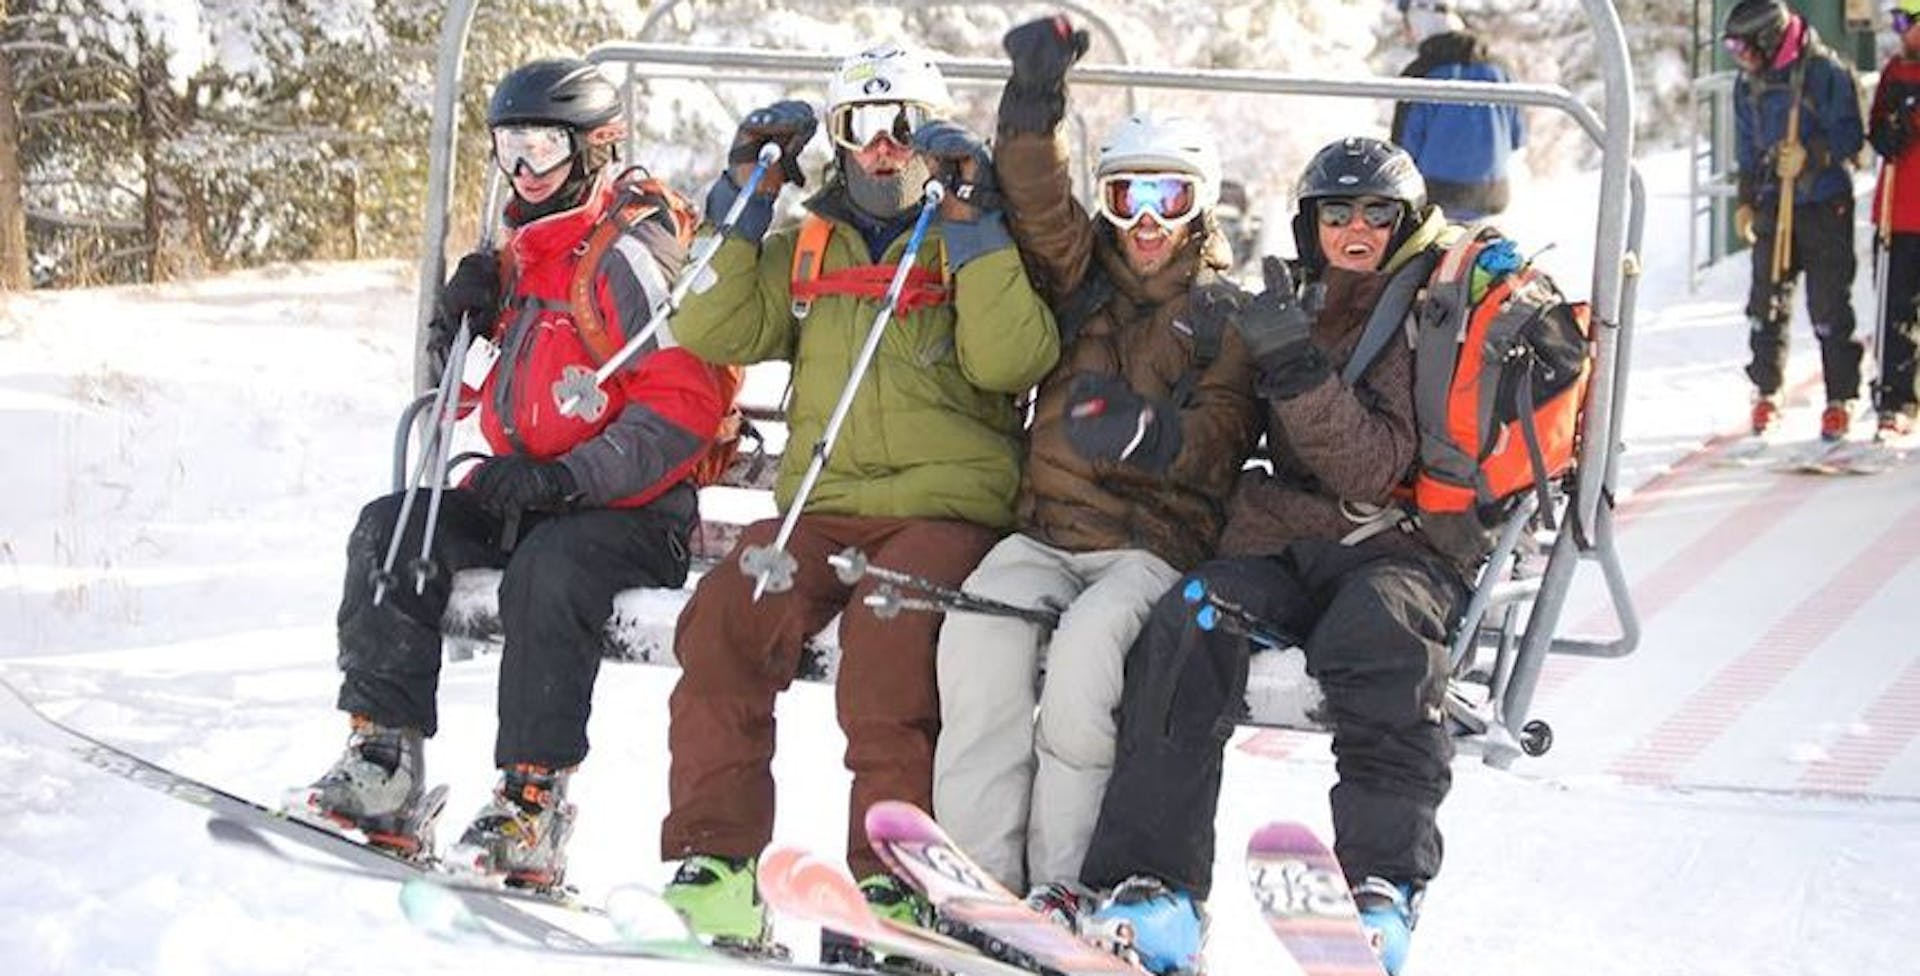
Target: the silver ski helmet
pixel 1146 143
pixel 1356 166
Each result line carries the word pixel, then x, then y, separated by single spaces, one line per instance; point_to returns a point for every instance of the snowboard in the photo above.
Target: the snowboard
pixel 797 883
pixel 1303 895
pixel 980 909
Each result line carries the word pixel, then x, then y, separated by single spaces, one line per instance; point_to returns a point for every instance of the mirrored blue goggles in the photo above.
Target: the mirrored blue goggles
pixel 1901 21
pixel 539 149
pixel 1172 198
pixel 1339 212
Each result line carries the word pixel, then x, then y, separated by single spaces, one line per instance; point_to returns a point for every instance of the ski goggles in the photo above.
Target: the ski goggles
pixel 1339 212
pixel 1901 21
pixel 1739 47
pixel 539 149
pixel 855 126
pixel 1172 198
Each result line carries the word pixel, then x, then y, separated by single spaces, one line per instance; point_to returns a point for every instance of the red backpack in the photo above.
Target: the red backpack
pixel 641 198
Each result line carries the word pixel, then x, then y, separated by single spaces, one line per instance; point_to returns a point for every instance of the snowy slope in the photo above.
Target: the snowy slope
pixel 183 464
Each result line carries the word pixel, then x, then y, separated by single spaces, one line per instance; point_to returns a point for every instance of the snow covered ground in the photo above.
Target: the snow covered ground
pixel 183 463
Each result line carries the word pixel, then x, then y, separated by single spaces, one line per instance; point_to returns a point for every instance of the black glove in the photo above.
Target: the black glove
pixel 1035 99
pixel 1215 306
pixel 1275 327
pixel 1107 421
pixel 474 290
pixel 789 124
pixel 1891 134
pixel 512 483
pixel 960 161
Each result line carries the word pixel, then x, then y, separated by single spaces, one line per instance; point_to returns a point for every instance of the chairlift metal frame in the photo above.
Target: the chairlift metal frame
pixel 1587 531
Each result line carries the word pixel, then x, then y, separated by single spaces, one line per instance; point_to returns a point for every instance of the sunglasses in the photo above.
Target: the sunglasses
pixel 856 126
pixel 1339 211
pixel 1901 21
pixel 539 149
pixel 1172 198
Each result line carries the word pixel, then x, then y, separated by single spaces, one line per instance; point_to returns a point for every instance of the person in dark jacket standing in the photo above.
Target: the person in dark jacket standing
pixel 1893 122
pixel 1136 439
pixel 1318 549
pixel 1463 151
pixel 1797 129
pixel 574 509
pixel 922 478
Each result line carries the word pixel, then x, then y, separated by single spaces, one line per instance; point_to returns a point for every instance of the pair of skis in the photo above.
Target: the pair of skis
pixel 1859 457
pixel 1298 884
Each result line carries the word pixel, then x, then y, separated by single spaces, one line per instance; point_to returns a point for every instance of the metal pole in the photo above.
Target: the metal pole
pixel 440 169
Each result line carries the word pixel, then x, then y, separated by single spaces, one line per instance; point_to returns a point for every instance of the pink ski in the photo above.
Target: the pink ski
pixel 1303 894
pixel 799 884
pixel 921 853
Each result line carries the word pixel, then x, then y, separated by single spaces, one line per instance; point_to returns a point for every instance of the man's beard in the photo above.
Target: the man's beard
pixel 888 196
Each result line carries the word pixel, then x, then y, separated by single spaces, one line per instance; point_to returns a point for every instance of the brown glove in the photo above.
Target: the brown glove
pixel 1743 223
pixel 1790 161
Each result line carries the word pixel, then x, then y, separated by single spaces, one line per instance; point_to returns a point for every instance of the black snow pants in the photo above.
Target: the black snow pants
pixel 556 593
pixel 1899 387
pixel 1375 624
pixel 1823 249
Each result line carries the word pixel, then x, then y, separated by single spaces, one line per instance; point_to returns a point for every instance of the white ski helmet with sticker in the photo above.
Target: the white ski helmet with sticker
pixel 889 73
pixel 1164 144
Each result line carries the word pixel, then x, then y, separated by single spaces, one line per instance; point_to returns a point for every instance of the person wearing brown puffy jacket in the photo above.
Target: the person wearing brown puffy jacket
pixel 1137 436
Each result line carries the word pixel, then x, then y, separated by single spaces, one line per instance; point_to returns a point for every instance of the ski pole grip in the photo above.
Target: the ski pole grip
pixel 933 192
pixel 769 154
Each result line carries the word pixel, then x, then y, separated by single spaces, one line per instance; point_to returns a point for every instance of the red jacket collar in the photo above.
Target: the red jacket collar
pixel 539 241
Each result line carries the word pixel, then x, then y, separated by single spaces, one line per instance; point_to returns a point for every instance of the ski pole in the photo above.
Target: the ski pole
pixel 1783 217
pixel 1882 266
pixel 851 565
pixel 433 454
pixel 772 566
pixel 1219 613
pixel 577 386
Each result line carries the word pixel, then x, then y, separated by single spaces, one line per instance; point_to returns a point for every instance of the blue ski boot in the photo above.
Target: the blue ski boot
pixel 1163 928
pixel 1388 912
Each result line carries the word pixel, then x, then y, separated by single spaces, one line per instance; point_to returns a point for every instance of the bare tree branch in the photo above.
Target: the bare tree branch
pixel 52 219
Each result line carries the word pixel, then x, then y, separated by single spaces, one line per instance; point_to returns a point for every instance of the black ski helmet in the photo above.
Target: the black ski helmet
pixel 1760 24
pixel 568 91
pixel 1356 167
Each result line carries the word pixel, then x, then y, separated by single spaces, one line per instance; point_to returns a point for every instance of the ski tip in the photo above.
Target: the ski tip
pixel 901 820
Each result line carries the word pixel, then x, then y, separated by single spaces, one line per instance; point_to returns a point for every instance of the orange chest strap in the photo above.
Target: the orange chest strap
pixel 922 289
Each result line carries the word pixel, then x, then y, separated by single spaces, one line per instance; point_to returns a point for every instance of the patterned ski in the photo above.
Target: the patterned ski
pixel 1303 895
pixel 920 852
pixel 797 883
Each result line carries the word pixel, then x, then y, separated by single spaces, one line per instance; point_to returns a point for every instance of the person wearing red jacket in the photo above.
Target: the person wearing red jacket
pixel 1891 125
pixel 572 508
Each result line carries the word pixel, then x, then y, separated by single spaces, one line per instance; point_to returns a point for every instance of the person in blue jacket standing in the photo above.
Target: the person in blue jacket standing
pixel 1788 80
pixel 1462 150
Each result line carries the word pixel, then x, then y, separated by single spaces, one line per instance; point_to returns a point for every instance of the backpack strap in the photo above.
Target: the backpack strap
pixel 1207 337
pixel 1092 295
pixel 809 254
pixel 637 201
pixel 1390 312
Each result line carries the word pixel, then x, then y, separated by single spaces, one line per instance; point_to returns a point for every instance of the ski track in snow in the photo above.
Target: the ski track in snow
pixel 185 462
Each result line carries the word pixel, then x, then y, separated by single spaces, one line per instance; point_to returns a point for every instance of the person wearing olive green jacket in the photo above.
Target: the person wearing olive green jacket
pixel 922 477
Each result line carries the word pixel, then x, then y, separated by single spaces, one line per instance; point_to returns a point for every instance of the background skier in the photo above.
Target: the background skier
pixel 1463 151
pixel 1796 121
pixel 1893 119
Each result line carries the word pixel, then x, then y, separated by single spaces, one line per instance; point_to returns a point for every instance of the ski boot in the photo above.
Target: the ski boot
pixel 374 789
pixel 1834 421
pixel 1766 413
pixel 891 899
pixel 1894 424
pixel 1388 913
pixel 1062 902
pixel 718 898
pixel 520 836
pixel 1162 929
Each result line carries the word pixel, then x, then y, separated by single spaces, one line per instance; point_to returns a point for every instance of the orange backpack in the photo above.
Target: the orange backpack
pixel 640 199
pixel 1501 361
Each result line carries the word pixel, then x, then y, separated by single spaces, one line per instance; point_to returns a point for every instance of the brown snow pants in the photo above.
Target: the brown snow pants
pixel 736 655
